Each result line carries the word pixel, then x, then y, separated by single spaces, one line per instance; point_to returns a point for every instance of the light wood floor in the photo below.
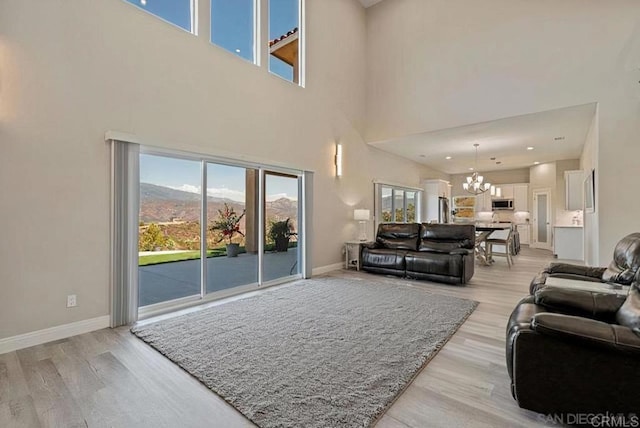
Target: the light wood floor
pixel 109 378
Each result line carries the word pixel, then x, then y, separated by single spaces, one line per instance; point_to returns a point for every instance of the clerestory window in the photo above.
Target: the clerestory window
pixel 284 39
pixel 178 12
pixel 233 27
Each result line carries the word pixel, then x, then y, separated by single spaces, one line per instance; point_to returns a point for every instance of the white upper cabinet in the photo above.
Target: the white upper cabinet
pixel 483 202
pixel 573 181
pixel 521 197
pixel 507 191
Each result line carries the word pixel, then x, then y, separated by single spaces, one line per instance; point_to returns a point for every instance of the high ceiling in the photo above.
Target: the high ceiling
pixel 367 3
pixel 554 135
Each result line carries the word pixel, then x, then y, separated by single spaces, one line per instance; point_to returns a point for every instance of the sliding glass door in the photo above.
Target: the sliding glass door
pixel 281 252
pixel 245 220
pixel 232 226
pixel 169 229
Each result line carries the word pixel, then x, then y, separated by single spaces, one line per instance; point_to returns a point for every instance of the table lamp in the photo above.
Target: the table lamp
pixel 362 216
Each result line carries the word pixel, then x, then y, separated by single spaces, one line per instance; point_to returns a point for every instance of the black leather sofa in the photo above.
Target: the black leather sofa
pixel 572 352
pixel 621 270
pixel 436 252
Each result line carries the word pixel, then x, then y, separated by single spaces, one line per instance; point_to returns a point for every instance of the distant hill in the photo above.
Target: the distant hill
pixel 151 192
pixel 163 204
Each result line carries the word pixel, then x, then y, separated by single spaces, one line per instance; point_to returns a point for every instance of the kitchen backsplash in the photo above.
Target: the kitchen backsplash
pixel 517 217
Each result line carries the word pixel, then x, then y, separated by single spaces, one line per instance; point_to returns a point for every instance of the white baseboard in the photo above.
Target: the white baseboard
pixel 328 268
pixel 39 337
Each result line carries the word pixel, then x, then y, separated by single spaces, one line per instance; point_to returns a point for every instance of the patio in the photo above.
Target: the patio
pixel 168 281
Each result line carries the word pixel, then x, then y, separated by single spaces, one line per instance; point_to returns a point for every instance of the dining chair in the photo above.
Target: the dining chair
pixel 499 243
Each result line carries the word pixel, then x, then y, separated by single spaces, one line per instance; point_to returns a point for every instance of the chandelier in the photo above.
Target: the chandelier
pixel 475 183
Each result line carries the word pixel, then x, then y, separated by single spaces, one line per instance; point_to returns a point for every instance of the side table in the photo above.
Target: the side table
pixel 352 252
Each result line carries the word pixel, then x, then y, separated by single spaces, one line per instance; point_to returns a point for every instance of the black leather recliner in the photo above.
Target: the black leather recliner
pixel 437 252
pixel 387 254
pixel 572 351
pixel 621 270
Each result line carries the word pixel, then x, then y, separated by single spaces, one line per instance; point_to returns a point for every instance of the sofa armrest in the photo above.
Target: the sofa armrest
pixel 586 331
pixel 566 268
pixel 370 245
pixel 461 251
pixel 590 303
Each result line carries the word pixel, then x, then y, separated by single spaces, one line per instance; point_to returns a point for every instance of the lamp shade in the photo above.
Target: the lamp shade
pixel 361 215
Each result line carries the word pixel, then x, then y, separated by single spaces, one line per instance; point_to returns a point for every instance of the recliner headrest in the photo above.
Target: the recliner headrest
pixel 400 236
pixel 626 260
pixel 449 233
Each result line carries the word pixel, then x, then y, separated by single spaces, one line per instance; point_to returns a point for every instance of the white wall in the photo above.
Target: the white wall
pixel 588 161
pixel 439 64
pixel 70 70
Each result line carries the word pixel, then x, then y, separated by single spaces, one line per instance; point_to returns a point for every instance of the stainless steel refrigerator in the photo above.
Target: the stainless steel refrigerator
pixel 443 210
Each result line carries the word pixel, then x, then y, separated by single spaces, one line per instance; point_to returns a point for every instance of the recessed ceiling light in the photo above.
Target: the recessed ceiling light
pixel 238 50
pixel 536 163
pixel 529 148
pixel 143 2
pixel 448 158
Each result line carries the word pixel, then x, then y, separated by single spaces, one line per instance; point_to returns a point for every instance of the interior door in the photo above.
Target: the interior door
pixel 541 236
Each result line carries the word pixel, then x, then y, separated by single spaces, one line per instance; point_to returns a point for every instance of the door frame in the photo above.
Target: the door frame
pixel 534 243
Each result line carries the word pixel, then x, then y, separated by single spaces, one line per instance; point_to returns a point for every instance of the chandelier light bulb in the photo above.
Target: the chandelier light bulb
pixel 475 182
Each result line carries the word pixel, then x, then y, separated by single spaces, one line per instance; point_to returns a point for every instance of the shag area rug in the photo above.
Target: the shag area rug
pixel 326 352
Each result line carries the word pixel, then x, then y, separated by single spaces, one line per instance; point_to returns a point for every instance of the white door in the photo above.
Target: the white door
pixel 541 233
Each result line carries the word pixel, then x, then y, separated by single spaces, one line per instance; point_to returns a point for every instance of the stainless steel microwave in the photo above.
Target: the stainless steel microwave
pixel 502 204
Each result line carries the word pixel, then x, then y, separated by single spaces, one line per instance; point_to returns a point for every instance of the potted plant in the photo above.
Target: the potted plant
pixel 280 232
pixel 228 224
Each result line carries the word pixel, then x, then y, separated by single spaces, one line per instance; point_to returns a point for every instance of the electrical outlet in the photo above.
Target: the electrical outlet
pixel 71 301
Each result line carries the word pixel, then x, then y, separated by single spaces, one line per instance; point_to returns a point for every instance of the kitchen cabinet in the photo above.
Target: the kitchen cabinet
pixel 507 191
pixel 568 242
pixel 483 202
pixel 573 181
pixel 521 197
pixel 524 232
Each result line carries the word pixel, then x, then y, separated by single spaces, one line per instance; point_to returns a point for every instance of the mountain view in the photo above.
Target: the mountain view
pixel 175 216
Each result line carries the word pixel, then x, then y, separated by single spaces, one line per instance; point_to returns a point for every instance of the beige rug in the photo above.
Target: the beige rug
pixel 324 352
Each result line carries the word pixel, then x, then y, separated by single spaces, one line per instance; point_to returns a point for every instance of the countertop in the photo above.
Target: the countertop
pixel 492 226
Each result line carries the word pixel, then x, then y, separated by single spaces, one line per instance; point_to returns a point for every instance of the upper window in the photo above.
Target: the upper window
pixel 178 12
pixel 232 26
pixel 284 22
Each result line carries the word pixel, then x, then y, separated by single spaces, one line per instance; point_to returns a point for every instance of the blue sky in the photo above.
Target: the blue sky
pixel 232 24
pixel 223 181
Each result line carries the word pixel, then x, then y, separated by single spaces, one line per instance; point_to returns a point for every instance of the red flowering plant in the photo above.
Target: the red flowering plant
pixel 228 223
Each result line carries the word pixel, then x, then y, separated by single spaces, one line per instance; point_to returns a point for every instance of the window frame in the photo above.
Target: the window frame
pixel 298 78
pixel 378 189
pixel 193 21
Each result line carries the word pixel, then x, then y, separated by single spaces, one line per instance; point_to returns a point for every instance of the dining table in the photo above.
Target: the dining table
pixel 483 231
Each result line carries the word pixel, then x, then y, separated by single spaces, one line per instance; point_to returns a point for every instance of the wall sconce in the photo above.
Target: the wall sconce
pixel 362 217
pixel 338 160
